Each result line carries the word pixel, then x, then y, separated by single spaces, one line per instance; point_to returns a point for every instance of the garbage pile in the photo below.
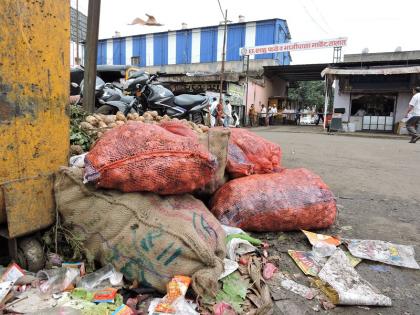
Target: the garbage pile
pixel 163 208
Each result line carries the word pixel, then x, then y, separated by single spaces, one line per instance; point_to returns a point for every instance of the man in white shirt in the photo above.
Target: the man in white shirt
pixel 227 111
pixel 213 112
pixel 272 113
pixel 414 112
pixel 263 115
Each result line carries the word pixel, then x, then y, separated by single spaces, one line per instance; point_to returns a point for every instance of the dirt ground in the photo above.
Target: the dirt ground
pixel 376 182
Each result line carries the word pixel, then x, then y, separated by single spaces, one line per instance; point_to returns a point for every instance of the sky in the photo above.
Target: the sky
pixel 379 25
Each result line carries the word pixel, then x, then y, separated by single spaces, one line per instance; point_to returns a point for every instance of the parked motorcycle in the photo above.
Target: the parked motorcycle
pixel 110 98
pixel 154 96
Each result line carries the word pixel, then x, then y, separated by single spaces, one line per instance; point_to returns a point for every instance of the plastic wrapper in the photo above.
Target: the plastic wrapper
pixel 56 280
pixel 291 200
pixel 297 288
pixel 250 154
pixel 385 252
pixel 237 247
pixel 101 278
pixel 144 157
pixel 350 287
pixel 78 160
pixel 229 266
pixel 61 310
pixel 174 301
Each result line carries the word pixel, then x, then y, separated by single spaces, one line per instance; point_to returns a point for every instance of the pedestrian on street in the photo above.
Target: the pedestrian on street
pixel 298 114
pixel 227 112
pixel 272 114
pixel 413 115
pixel 213 112
pixel 252 114
pixel 263 115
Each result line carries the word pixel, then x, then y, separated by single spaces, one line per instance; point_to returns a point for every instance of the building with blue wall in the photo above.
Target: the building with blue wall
pixel 195 45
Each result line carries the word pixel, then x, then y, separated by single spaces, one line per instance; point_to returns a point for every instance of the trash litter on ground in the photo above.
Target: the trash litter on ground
pixel 385 252
pixel 350 287
pixel 229 267
pixel 306 262
pixel 290 200
pixel 315 238
pixel 174 301
pixel 300 289
pixel 237 247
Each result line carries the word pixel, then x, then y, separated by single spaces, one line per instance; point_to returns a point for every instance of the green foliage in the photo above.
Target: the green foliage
pixel 234 290
pixel 77 135
pixel 308 93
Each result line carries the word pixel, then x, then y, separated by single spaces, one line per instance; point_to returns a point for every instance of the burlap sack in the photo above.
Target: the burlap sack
pixel 147 237
pixel 216 140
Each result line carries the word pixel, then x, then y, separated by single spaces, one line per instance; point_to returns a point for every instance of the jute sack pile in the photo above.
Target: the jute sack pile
pixel 147 237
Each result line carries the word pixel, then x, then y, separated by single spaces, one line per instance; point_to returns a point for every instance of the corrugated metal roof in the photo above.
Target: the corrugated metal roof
pixel 201 27
pixel 371 71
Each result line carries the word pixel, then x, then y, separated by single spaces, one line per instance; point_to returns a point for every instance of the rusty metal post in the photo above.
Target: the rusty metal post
pixel 34 125
pixel 91 55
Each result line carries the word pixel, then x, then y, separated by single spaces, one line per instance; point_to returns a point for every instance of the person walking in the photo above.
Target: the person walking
pixel 252 113
pixel 213 112
pixel 272 114
pixel 227 111
pixel 413 115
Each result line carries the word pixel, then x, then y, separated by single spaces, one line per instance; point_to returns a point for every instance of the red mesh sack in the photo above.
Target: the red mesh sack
pixel 250 154
pixel 145 157
pixel 178 128
pixel 290 200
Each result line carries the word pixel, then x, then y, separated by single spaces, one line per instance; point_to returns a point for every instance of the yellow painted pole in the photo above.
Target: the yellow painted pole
pixel 34 124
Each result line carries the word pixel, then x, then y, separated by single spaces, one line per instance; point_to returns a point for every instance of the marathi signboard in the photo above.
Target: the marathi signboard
pixel 277 48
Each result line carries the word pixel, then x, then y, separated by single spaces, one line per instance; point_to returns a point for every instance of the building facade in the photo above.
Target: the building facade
pixel 78 29
pixel 202 45
pixel 372 91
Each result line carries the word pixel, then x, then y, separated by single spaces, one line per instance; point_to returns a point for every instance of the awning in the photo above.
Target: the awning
pixel 371 71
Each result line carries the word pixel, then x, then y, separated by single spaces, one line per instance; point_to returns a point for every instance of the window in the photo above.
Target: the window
pixel 135 60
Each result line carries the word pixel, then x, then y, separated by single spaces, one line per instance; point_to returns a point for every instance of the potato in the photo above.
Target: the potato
pixel 120 117
pixel 102 125
pixel 167 117
pixel 135 116
pixel 98 117
pixel 112 125
pixel 141 118
pixel 92 120
pixel 154 113
pixel 120 122
pixel 109 119
pixel 147 115
pixel 130 116
pixel 86 126
pixel 102 116
pixel 100 134
pixel 204 128
pixel 158 118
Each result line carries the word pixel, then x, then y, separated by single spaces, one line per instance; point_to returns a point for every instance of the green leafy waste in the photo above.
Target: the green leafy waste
pixel 233 291
pixel 77 135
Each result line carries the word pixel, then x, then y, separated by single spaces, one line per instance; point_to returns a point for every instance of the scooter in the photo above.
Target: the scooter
pixel 154 96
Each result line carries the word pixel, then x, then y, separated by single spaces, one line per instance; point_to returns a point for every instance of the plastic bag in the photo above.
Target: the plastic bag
pixel 291 200
pixel 144 157
pixel 385 252
pixel 101 278
pixel 250 154
pixel 174 301
pixel 237 247
pixel 350 287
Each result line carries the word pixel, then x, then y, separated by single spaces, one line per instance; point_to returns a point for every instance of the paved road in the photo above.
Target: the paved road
pixel 377 184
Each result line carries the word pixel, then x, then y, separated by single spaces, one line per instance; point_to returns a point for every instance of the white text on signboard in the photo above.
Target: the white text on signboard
pixel 276 48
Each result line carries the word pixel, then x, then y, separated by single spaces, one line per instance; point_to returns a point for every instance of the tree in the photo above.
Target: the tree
pixel 308 93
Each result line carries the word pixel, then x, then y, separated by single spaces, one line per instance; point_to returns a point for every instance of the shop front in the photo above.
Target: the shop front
pixel 374 99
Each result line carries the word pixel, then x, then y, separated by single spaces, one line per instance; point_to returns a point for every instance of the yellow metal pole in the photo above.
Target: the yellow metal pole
pixel 34 125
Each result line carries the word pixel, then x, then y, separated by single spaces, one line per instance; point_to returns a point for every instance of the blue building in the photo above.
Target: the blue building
pixel 189 46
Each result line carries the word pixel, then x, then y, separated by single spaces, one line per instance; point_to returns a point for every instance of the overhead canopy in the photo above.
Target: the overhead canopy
pixel 371 71
pixel 310 72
